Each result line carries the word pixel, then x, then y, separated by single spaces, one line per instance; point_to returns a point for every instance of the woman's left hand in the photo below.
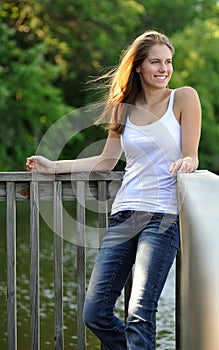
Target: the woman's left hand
pixel 184 165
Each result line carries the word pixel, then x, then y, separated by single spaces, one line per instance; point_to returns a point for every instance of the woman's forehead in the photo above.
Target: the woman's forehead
pixel 160 51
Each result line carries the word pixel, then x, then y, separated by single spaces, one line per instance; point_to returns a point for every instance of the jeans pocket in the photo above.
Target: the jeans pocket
pixel 171 230
pixel 167 226
pixel 120 217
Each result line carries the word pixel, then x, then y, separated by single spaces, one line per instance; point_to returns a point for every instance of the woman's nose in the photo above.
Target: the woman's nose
pixel 162 67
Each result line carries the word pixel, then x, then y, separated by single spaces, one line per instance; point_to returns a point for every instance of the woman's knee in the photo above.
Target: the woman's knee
pixel 88 313
pixel 92 315
pixel 95 318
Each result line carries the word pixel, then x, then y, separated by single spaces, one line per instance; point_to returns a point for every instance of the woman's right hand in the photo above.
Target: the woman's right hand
pixel 40 164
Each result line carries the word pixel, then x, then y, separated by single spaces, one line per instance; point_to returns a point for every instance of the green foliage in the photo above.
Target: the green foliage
pixel 57 46
pixel 169 16
pixel 198 65
pixel 30 103
pixel 173 16
pixel 86 37
pixel 50 49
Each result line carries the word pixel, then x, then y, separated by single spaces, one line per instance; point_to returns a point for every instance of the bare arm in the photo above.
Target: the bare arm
pixel 190 115
pixel 106 161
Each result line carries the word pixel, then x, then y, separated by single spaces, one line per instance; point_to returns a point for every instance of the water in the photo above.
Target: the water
pixel 165 316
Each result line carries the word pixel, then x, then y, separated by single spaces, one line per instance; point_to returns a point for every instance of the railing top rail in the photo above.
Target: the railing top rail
pixel 24 176
pixel 198 174
pixel 23 180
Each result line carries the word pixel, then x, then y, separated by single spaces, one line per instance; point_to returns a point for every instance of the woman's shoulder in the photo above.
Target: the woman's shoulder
pixel 185 98
pixel 185 94
pixel 185 91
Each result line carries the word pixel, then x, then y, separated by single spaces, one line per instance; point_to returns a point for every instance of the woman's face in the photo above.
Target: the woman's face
pixel 156 69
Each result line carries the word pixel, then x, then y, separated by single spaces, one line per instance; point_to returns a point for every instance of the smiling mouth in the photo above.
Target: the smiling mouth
pixel 160 77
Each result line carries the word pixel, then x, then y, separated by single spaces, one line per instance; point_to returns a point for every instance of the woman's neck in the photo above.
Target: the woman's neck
pixel 151 97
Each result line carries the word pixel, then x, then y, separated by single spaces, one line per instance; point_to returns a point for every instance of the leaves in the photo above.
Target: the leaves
pixel 50 49
pixel 198 65
pixel 30 103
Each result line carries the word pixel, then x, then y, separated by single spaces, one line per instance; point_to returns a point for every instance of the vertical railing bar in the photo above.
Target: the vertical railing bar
pixel 178 286
pixel 11 267
pixel 178 302
pixel 34 267
pixel 81 262
pixel 102 209
pixel 128 288
pixel 102 218
pixel 58 265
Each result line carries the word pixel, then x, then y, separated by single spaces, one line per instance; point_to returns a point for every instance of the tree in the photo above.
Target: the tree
pixel 173 16
pixel 51 48
pixel 86 37
pixel 55 47
pixel 197 64
pixel 29 101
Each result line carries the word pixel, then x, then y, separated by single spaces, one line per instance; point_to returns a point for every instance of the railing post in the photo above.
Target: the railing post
pixel 102 219
pixel 11 266
pixel 58 265
pixel 81 262
pixel 102 209
pixel 178 302
pixel 198 193
pixel 34 267
pixel 128 289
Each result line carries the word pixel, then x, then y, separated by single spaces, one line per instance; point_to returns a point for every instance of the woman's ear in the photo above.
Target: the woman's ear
pixel 138 69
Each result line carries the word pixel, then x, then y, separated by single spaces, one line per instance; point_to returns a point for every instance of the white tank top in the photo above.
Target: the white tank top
pixel 149 150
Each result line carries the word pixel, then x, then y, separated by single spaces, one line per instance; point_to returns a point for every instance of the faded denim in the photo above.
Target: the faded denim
pixel 149 242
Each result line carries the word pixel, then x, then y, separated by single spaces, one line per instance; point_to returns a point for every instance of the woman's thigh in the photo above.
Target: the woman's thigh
pixel 111 270
pixel 157 246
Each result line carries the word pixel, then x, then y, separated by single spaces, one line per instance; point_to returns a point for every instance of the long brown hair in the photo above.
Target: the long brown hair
pixel 124 83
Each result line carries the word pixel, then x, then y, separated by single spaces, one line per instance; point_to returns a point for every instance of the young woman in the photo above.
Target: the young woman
pixel 159 130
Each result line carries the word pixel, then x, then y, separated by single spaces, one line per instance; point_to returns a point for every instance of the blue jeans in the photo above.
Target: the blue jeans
pixel 148 241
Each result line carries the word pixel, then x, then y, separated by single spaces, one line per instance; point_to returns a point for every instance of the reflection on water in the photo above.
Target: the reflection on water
pixel 165 316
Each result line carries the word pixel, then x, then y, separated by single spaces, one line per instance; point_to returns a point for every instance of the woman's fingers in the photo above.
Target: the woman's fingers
pixel 186 167
pixel 183 165
pixel 174 167
pixel 40 164
pixel 37 164
pixel 30 163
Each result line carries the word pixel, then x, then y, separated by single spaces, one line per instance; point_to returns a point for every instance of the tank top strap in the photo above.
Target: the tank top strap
pixel 171 100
